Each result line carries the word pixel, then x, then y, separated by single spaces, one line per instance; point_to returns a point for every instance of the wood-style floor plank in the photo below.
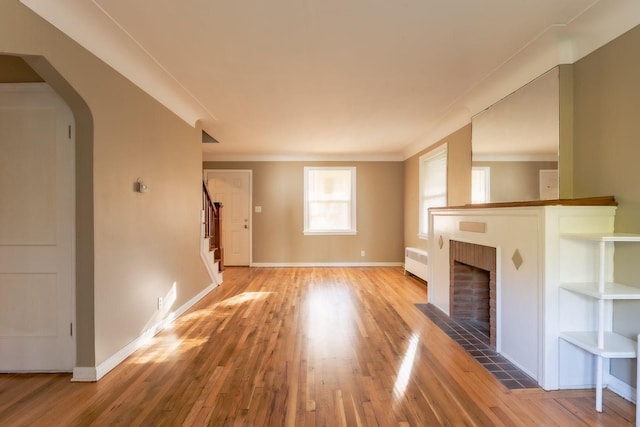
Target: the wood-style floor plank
pixel 301 347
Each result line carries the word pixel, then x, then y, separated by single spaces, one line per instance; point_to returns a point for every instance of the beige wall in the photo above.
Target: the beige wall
pixel 606 153
pixel 277 231
pixel 458 181
pixel 515 181
pixel 138 245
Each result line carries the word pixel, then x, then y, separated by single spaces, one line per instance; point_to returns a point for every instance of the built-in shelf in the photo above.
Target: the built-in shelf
pixel 615 345
pixel 604 343
pixel 612 291
pixel 603 237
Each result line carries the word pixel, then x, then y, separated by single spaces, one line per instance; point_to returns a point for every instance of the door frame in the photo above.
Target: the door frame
pixel 250 173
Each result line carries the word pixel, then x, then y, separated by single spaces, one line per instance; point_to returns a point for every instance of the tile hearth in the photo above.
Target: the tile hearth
pixel 474 338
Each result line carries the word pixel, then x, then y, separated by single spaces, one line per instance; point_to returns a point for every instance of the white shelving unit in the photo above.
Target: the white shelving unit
pixel 602 342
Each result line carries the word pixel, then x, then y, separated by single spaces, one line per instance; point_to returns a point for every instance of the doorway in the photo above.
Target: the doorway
pixel 232 188
pixel 37 223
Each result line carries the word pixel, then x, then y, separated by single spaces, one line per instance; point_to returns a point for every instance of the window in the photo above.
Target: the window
pixel 329 200
pixel 480 184
pixel 433 185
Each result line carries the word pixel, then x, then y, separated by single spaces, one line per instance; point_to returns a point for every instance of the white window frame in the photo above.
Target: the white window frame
pixel 484 173
pixel 433 158
pixel 351 230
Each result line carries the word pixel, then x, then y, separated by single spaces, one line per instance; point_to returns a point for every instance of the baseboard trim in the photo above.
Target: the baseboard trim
pixel 326 264
pixel 84 374
pixel 614 384
pixel 621 388
pixel 90 374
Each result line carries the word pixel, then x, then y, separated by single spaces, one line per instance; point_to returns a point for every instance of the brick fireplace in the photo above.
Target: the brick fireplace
pixel 472 293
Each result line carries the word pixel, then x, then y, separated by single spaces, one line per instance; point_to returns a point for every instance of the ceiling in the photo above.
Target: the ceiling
pixel 334 79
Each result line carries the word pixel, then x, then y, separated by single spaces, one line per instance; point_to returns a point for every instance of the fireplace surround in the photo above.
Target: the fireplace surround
pixel 531 260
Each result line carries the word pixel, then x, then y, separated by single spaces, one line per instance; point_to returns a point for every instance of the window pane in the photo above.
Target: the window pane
pixel 479 185
pixel 329 185
pixel 433 184
pixel 329 216
pixel 329 204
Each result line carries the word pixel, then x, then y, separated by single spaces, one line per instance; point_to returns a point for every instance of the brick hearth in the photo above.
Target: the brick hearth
pixel 473 284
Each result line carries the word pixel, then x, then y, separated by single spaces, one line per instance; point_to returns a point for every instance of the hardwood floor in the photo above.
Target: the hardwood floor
pixel 303 347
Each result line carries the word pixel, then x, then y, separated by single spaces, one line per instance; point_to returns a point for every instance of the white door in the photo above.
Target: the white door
pixel 549 185
pixel 36 229
pixel 233 190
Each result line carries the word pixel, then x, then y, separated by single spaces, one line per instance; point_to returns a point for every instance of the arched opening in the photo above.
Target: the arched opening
pixel 18 68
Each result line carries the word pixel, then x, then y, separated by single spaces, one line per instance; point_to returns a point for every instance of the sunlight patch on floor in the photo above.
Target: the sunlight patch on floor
pixel 242 298
pixel 166 348
pixel 329 321
pixel 163 347
pixel 404 373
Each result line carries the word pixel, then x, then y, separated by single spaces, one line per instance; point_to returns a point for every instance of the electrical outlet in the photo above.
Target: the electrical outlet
pixel 361 253
pixel 160 303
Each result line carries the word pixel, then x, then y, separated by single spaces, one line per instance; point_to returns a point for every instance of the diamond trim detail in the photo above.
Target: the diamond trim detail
pixel 517 259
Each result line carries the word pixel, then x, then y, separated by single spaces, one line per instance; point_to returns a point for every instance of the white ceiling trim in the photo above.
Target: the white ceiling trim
pixel 500 157
pixel 87 24
pixel 353 157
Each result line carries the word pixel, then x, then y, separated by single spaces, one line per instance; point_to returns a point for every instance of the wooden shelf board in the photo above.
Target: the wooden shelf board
pixel 586 201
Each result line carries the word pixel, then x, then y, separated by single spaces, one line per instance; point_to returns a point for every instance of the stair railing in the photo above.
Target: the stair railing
pixel 212 226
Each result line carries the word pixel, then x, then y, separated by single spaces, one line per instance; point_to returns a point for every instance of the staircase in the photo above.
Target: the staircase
pixel 211 249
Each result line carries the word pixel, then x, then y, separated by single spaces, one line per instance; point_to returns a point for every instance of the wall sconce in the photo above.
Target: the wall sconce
pixel 140 187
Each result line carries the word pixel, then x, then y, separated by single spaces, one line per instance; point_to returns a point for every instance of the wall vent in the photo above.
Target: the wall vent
pixel 415 262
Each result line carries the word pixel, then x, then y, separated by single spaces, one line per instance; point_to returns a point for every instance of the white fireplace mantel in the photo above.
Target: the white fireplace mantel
pixel 529 313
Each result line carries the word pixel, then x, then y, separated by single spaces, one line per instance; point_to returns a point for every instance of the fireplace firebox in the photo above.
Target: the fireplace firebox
pixel 473 285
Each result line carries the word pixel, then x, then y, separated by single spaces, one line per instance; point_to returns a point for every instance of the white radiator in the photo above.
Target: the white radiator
pixel 415 262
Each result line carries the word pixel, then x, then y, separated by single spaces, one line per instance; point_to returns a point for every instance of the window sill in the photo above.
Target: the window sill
pixel 330 233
